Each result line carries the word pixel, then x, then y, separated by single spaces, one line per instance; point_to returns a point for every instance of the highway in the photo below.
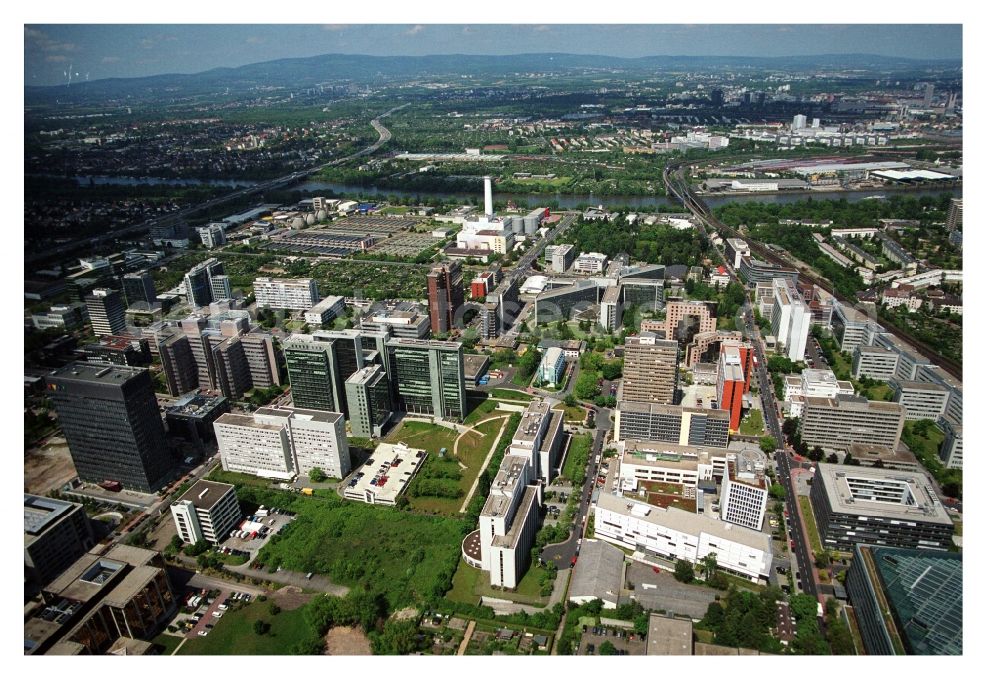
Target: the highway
pixel 384 135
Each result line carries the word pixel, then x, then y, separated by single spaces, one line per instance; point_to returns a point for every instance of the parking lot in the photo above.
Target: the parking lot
pixel 625 641
pixel 251 544
pixel 661 591
pixel 200 609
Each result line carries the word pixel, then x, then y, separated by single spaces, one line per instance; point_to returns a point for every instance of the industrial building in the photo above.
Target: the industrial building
pixel 207 511
pixel 675 534
pixel 599 574
pixel 834 424
pixel 905 601
pixel 876 506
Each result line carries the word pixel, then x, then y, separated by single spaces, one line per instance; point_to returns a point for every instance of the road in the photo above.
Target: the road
pixel 384 135
pixel 796 531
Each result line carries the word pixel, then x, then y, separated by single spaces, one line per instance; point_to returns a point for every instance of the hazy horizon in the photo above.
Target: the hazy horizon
pixel 98 51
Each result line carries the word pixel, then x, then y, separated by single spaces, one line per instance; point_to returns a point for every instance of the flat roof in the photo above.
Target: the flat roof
pixel 41 512
pixel 921 385
pixel 205 494
pixel 669 409
pixel 849 402
pixel 529 501
pixel 396 463
pixel 923 504
pixel 669 636
pixel 84 372
pixel 685 522
pixel 426 344
pixel 598 572
pixel 131 584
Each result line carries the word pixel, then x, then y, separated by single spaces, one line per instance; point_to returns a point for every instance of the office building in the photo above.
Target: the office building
pixel 62 317
pixel 325 311
pixel 951 447
pixel 280 442
pixel 876 506
pixel 599 573
pixel 592 263
pixel 678 324
pixel 674 534
pixel 649 370
pixel 107 312
pixel 539 438
pixel 812 383
pixel 851 327
pixel 872 361
pixel 954 221
pixel 285 294
pixel 905 601
pixel 790 319
pixel 444 295
pixel 369 401
pixel 672 424
pixel 212 235
pixel 732 381
pixel 568 301
pixel 551 367
pixel 744 489
pixel 56 533
pixel 755 272
pixel 507 524
pixel 611 308
pixel 206 282
pixel 179 366
pixel 683 466
pixel 112 425
pixel 192 416
pixel 560 257
pixel 835 424
pixel 106 603
pixel 125 350
pixel 318 366
pixel 921 400
pixel 402 320
pixel 207 511
pixel 428 377
pixel 737 250
pixel 138 288
pixel 799 122
pixel 483 284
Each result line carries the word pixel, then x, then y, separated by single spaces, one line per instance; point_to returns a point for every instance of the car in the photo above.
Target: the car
pixel 202 632
pixel 217 613
pixel 655 569
pixel 223 606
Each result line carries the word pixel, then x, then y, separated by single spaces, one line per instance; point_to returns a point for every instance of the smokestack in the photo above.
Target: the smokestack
pixel 489 195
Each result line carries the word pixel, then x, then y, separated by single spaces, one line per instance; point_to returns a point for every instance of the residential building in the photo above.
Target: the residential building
pixel 285 294
pixel 101 600
pixel 599 573
pixel 875 506
pixel 112 424
pixel 813 383
pixel 56 533
pixel 672 424
pixel 552 366
pixel 790 319
pixel 325 311
pixel 318 366
pixel 137 287
pixel 107 312
pixel 428 377
pixel 954 221
pixel 951 447
pixel 834 424
pixel 207 511
pixel 280 442
pixel 369 401
pixel 590 263
pixel 611 308
pixel 733 380
pixel 508 522
pixel 675 534
pixel 206 282
pixel 877 363
pixel 906 601
pixel 679 314
pixel 539 438
pixel 649 370
pixel 444 295
pixel 560 257
pixel 744 489
pixel 921 400
pixel 212 235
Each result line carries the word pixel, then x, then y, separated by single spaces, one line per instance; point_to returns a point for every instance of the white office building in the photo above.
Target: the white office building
pixel 790 319
pixel 281 442
pixel 539 439
pixel 207 511
pixel 590 263
pixel 508 523
pixel 673 533
pixel 951 447
pixel 552 366
pixel 325 311
pixel 286 294
pixel 812 383
pixel 744 490
pixel 658 462
pixel 560 257
pixel 212 235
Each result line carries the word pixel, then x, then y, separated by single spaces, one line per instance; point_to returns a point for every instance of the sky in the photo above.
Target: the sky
pixel 98 51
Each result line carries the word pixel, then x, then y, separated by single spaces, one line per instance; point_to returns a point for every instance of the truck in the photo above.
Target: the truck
pixel 109 485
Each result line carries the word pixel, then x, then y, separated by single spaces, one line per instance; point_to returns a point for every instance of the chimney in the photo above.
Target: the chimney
pixel 489 195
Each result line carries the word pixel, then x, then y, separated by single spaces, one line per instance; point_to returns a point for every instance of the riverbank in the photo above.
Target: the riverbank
pixel 809 192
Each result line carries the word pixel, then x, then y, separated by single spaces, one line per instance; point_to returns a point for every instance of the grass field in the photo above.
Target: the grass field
pixel 470 584
pixel 811 530
pixel 484 409
pixel 514 395
pixel 428 436
pixel 167 643
pixel 573 413
pixel 236 478
pixel 575 467
pixel 234 635
pixel 753 425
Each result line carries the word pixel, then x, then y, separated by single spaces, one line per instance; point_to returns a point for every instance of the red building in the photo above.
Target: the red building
pixel 735 370
pixel 444 295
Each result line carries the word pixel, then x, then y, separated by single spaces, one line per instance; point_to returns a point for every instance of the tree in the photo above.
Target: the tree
pixel 260 627
pixel 273 608
pixel 816 454
pixel 317 475
pixel 607 648
pixel 822 558
pixel 200 547
pixel 777 491
pixel 684 571
pixel 711 564
pixel 832 458
pixel 768 444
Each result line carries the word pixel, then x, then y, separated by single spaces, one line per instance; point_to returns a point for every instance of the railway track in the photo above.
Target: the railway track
pixel 680 190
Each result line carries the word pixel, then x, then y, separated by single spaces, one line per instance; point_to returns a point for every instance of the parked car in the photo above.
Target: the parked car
pixel 202 632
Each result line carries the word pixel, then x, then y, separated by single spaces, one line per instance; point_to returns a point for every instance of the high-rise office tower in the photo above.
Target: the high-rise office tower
pixel 954 221
pixel 112 424
pixel 428 377
pixel 444 295
pixel 649 372
pixel 107 312
pixel 717 98
pixel 206 282
pixel 369 401
pixel 318 366
pixel 138 288
pixel 733 380
pixel 928 94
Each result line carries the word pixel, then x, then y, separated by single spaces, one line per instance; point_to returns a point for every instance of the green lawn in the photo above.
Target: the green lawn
pixel 514 395
pixel 234 635
pixel 485 409
pixel 428 436
pixel 880 392
pixel 237 478
pixel 753 424
pixel 573 413
pixel 575 467
pixel 811 530
pixel 470 584
pixel 167 642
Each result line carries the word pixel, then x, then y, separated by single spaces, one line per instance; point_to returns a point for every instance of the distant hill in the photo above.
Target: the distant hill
pixel 362 69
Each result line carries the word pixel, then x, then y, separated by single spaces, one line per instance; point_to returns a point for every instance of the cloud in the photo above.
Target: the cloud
pixel 414 31
pixel 56 58
pixel 110 59
pixel 41 40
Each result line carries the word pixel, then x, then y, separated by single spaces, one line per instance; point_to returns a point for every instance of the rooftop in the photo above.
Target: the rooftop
pixel 889 493
pixel 529 502
pixel 206 494
pixel 598 572
pixel 82 372
pixel 669 636
pixel 41 512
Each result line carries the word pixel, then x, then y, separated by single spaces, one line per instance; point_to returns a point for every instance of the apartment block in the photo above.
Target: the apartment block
pixel 672 424
pixel 649 371
pixel 285 294
pixel 835 424
pixel 207 511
